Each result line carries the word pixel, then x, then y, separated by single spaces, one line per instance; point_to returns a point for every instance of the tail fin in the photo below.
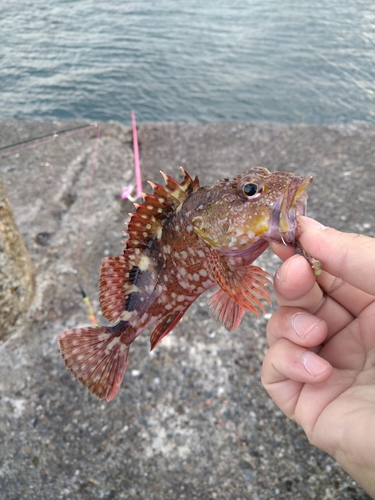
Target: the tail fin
pixel 96 357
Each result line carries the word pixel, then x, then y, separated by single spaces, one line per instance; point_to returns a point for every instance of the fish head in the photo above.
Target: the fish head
pixel 255 205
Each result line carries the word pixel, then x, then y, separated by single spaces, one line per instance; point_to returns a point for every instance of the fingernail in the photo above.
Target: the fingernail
pixel 311 222
pixel 313 363
pixel 303 323
pixel 280 273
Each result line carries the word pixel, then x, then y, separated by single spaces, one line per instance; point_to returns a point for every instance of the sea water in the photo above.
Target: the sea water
pixel 192 60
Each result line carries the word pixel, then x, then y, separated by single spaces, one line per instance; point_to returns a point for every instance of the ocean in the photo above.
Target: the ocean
pixel 238 60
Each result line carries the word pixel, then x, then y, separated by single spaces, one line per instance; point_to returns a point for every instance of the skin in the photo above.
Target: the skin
pixel 320 367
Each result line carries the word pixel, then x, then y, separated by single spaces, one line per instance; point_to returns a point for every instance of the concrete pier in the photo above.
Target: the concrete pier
pixel 191 420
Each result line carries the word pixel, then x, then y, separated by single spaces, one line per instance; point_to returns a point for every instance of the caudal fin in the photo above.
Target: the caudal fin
pixel 96 357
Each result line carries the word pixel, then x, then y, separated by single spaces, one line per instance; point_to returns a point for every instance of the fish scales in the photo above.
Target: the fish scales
pixel 181 241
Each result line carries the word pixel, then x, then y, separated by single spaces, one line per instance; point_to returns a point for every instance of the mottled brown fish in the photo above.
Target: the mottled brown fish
pixel 183 240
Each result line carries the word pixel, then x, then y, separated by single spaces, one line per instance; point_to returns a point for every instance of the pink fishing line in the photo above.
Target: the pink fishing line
pixel 126 192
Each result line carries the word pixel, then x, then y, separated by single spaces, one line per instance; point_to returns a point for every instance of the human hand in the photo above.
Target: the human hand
pixel 320 368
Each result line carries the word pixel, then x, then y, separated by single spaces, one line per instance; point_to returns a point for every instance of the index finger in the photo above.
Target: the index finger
pixel 348 256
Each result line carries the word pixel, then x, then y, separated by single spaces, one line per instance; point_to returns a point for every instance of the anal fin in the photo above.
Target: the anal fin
pixel 164 327
pixel 225 310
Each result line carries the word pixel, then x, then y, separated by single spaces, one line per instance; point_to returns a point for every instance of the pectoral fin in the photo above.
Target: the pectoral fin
pixel 244 285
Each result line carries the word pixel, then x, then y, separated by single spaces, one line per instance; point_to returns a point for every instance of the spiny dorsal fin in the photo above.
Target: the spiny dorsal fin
pixel 180 191
pixel 145 225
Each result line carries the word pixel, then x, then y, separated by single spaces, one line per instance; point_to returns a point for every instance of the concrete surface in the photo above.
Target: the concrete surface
pixel 192 420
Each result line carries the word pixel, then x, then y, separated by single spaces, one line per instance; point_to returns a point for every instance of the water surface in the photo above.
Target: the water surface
pixel 254 60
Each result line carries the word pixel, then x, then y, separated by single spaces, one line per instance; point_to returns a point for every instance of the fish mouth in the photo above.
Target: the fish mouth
pixel 292 203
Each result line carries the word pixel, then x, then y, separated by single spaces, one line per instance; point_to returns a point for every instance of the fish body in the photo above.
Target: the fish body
pixel 183 240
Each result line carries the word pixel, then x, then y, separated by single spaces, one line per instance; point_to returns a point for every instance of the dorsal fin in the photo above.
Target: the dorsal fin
pixel 114 286
pixel 180 191
pixel 145 225
pixel 119 275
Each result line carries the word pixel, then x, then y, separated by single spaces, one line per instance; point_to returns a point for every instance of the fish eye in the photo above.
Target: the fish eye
pixel 251 190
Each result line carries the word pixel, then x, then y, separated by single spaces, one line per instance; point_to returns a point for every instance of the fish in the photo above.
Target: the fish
pixel 183 240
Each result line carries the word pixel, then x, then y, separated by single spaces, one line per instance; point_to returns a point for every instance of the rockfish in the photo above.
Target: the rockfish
pixel 183 240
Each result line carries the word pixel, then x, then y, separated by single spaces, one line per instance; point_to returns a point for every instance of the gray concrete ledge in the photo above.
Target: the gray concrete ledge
pixel 192 420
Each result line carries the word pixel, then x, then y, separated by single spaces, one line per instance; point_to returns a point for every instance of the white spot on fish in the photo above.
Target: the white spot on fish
pixel 123 348
pixel 131 290
pixel 113 342
pixel 185 285
pixel 126 315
